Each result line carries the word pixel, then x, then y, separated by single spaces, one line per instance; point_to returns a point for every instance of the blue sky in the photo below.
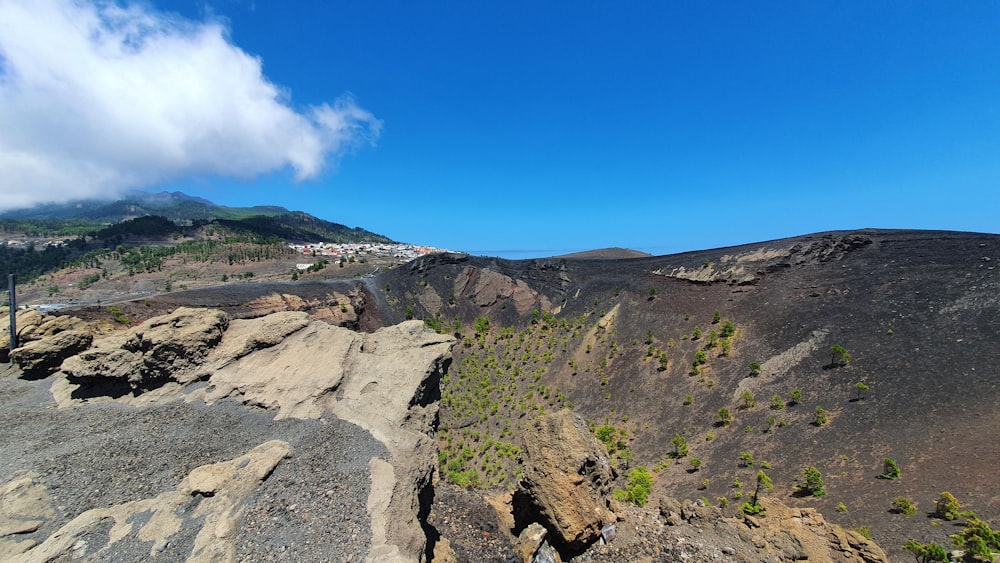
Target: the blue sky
pixel 529 129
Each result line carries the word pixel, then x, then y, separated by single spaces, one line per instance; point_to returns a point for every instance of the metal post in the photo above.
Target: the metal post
pixel 13 314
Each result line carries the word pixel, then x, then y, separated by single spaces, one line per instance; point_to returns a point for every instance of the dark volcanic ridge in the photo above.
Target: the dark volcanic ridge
pixel 916 310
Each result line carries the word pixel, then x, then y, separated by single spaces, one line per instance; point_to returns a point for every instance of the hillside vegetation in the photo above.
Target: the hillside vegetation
pixel 100 238
pixel 856 369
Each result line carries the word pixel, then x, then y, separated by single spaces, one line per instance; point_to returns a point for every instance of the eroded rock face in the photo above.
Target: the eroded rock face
pixel 42 357
pixel 335 308
pixel 45 341
pixel 698 533
pixel 49 326
pixel 487 288
pixel 794 534
pixel 26 319
pixel 159 350
pixel 567 476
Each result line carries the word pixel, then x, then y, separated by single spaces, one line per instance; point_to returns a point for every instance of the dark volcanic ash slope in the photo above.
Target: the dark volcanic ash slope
pixel 916 310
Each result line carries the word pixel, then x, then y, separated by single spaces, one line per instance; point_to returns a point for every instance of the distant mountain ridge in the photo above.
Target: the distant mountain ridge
pixel 176 206
pixel 183 210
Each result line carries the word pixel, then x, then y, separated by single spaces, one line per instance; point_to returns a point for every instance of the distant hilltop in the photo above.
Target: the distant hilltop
pixel 614 253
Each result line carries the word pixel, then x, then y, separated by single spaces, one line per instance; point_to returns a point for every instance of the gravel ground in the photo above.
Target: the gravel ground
pixel 470 525
pixel 311 508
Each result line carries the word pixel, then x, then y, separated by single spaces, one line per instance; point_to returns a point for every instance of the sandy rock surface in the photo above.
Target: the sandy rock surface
pixel 336 469
pixel 102 456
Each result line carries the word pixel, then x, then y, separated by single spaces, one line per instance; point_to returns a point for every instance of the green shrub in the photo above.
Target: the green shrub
pixel 821 417
pixel 680 446
pixel 723 416
pixel 482 325
pixel 468 478
pixel 728 329
pixel 812 481
pixel 839 356
pixel 926 552
pixel 640 484
pixel 978 539
pixel 795 396
pixel 904 505
pixel 890 470
pixel 700 358
pixel 947 507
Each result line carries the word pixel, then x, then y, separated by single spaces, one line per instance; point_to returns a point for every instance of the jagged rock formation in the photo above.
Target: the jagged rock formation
pixel 567 478
pixel 42 357
pixel 690 531
pixel 565 492
pixel 386 382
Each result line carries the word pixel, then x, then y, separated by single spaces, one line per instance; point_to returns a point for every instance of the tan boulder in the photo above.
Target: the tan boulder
pixel 40 358
pixel 156 351
pixel 50 326
pixel 25 504
pixel 26 320
pixel 567 476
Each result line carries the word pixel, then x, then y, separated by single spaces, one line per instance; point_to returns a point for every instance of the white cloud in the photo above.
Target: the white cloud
pixel 96 98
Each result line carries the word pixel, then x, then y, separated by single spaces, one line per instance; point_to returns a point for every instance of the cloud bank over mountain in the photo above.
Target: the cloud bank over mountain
pixel 96 98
